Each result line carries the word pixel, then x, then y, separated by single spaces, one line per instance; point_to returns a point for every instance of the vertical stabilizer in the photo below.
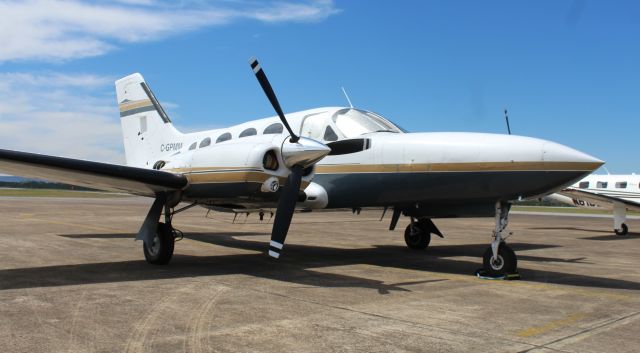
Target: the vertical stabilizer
pixel 149 135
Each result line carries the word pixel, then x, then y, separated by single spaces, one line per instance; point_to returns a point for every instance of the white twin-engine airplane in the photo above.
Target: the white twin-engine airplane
pixel 315 159
pixel 619 193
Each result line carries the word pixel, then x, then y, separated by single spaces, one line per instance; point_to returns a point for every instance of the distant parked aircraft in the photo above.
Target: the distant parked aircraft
pixel 619 193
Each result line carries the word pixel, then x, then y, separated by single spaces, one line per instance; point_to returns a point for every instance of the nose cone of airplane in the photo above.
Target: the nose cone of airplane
pixel 488 165
pixel 555 152
pixel 305 152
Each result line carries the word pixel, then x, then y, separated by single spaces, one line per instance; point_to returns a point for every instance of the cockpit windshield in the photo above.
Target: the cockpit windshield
pixel 353 122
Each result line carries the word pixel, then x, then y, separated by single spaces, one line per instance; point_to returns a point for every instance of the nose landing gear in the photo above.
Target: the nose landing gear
pixel 499 259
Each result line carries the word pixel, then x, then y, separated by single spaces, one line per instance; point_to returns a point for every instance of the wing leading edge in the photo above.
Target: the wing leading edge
pixel 103 176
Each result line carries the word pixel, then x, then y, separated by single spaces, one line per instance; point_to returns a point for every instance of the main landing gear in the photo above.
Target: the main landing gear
pixel 159 238
pixel 500 259
pixel 417 235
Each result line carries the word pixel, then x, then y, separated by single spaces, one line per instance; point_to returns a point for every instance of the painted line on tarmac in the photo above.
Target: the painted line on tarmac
pixel 551 325
pixel 588 332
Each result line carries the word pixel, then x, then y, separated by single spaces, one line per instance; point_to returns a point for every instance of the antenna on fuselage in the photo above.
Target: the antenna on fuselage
pixel 606 170
pixel 347 96
pixel 506 118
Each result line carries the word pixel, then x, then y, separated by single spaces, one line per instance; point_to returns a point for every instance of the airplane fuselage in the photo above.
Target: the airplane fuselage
pixel 466 172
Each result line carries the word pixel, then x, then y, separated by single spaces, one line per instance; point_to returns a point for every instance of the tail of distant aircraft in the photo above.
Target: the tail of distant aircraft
pixel 147 130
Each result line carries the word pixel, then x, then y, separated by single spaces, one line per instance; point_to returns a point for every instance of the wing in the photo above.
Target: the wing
pixel 598 198
pixel 103 176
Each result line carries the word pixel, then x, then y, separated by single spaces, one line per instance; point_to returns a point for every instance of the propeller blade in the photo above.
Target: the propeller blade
pixel 284 212
pixel 268 90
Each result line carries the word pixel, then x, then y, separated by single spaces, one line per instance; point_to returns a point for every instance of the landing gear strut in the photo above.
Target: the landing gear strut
pixel 499 259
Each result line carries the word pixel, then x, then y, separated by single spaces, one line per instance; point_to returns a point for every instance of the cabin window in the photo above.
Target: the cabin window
pixel 193 146
pixel 206 142
pixel 248 132
pixel 621 185
pixel 224 137
pixel 329 134
pixel 275 128
pixel 601 184
pixel 583 185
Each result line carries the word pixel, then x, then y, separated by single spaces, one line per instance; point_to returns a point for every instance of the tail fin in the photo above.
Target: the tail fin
pixel 148 132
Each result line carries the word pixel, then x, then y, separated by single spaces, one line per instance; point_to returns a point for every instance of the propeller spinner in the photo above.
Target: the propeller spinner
pixel 297 153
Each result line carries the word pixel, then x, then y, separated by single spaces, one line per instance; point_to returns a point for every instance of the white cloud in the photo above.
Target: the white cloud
pixel 54 30
pixel 60 114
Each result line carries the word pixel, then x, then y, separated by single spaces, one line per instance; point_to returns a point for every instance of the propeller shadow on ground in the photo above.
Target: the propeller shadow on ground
pixel 300 264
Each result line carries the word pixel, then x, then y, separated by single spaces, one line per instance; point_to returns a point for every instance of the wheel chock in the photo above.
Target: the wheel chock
pixel 482 274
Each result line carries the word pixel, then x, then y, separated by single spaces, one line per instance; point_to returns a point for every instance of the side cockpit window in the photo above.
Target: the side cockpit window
pixel 206 142
pixel 329 134
pixel 193 146
pixel 224 137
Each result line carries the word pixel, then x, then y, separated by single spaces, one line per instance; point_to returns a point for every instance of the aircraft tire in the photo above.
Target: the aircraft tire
pixel 161 251
pixel 417 241
pixel 506 263
pixel 623 230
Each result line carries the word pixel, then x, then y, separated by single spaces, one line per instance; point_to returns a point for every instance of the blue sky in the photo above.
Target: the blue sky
pixel 566 70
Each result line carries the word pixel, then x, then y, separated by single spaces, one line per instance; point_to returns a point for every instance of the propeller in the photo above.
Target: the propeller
pixel 297 154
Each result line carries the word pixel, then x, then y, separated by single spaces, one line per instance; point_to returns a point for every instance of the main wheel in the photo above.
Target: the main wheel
pixel 416 238
pixel 506 261
pixel 623 230
pixel 160 252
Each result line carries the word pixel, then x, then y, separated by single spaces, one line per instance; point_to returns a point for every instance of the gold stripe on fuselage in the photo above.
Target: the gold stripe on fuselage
pixel 456 167
pixel 221 177
pixel 227 177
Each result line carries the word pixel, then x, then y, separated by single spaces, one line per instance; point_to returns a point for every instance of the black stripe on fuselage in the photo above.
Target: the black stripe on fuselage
pixel 381 189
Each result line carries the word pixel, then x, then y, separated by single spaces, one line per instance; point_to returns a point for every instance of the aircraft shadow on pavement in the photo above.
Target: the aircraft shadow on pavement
pixel 132 236
pixel 299 264
pixel 613 236
pixel 573 228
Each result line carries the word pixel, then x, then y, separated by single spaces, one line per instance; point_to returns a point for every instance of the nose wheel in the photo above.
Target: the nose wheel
pixel 504 263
